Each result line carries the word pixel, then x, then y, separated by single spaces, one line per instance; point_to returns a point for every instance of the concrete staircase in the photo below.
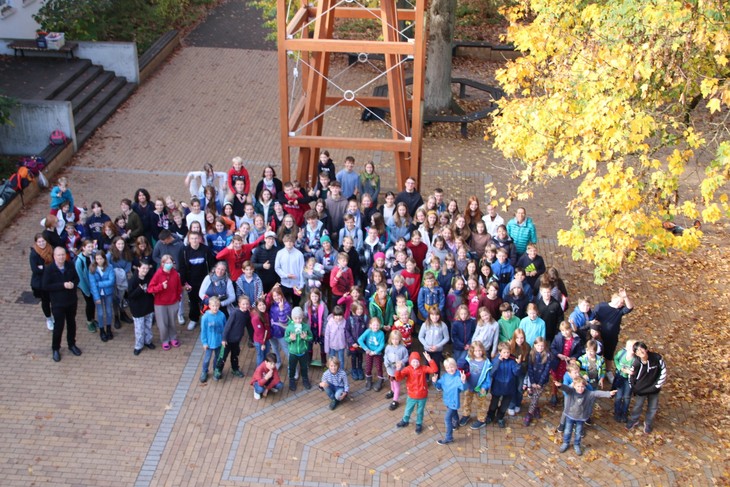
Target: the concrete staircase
pixel 94 93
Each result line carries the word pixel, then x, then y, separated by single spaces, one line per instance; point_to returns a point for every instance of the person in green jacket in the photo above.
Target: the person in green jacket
pixel 298 336
pixel 381 307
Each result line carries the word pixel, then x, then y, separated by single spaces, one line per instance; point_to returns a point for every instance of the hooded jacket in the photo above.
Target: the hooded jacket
pixel 648 378
pixel 416 383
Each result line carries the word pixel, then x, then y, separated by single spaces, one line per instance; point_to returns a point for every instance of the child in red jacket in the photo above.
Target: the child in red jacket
pixel 417 387
pixel 266 378
pixel 341 280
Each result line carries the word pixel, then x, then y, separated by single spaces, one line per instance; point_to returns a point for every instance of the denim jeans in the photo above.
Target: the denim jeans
pixel 260 389
pixel 459 354
pixel 623 396
pixel 569 424
pixel 261 354
pixel 334 392
pixel 452 415
pixel 105 310
pixel 209 353
pixel 275 345
pixel 340 354
pixel 651 410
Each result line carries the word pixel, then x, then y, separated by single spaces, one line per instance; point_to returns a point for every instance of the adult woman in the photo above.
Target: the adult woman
pixel 51 234
pixel 143 207
pixel 198 180
pixel 41 255
pixel 218 284
pixel 167 289
pixel 269 182
pixel 102 282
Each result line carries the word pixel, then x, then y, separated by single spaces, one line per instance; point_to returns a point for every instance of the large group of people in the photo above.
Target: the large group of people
pixel 314 274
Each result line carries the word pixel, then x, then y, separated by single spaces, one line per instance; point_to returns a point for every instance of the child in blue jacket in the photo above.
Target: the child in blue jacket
pixel 451 384
pixel 102 282
pixel 212 325
pixel 504 376
pixel 462 331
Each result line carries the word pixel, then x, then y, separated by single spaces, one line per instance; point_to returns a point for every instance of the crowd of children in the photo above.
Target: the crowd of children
pixel 313 275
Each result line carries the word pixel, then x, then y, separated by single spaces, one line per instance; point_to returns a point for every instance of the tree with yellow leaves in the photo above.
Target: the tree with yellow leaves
pixel 632 98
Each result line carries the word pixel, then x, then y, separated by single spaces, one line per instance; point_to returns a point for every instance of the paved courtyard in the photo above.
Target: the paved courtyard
pixel 109 418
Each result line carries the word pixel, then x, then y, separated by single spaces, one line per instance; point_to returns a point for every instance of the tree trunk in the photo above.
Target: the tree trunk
pixel 441 19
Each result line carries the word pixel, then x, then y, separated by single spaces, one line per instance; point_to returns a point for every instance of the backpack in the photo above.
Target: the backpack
pixel 58 138
pixel 7 193
pixel 34 163
pixel 21 179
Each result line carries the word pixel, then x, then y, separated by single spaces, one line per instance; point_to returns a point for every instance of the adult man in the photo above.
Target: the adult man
pixel 492 220
pixel 289 264
pixel 609 315
pixel 522 231
pixel 550 311
pixel 410 197
pixel 263 261
pixel 195 263
pixel 648 374
pixel 60 281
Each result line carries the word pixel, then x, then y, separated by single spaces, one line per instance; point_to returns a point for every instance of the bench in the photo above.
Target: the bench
pixel 25 45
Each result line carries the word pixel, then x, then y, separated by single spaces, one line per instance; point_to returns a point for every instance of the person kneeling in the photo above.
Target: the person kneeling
pixel 334 382
pixel 266 378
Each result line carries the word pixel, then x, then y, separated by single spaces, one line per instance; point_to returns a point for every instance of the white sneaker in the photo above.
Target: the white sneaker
pixel 191 325
pixel 180 318
pixel 517 410
pixel 49 324
pixel 511 412
pixel 256 395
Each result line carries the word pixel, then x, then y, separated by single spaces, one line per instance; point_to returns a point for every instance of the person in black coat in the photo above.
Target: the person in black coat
pixel 142 306
pixel 237 324
pixel 196 262
pixel 60 281
pixel 263 261
pixel 41 255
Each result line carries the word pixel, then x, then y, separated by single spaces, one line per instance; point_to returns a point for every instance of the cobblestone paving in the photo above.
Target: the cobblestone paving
pixel 110 418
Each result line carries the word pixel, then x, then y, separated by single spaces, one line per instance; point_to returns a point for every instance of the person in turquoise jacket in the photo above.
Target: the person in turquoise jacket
pixel 451 384
pixel 522 231
pixel 212 324
pixel 532 325
pixel 102 283
pixel 372 342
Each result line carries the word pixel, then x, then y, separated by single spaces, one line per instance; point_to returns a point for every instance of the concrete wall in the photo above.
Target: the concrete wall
pixel 119 57
pixel 20 24
pixel 33 121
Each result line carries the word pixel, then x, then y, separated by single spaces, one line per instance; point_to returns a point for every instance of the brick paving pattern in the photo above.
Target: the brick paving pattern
pixel 110 418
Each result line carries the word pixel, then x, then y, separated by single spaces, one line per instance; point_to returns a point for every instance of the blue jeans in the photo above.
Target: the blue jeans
pixel 340 355
pixel 334 392
pixel 459 354
pixel 452 415
pixel 651 410
pixel 260 389
pixel 261 354
pixel 275 346
pixel 569 424
pixel 623 396
pixel 420 404
pixel 105 310
pixel 209 353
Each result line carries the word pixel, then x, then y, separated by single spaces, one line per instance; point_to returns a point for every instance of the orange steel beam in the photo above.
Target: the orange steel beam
pixel 283 91
pixel 366 13
pixel 346 45
pixel 368 101
pixel 419 72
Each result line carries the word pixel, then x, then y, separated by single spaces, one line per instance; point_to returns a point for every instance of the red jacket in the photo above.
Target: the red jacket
pixel 258 377
pixel 343 284
pixel 261 328
pixel 243 173
pixel 171 295
pixel 235 260
pixel 416 383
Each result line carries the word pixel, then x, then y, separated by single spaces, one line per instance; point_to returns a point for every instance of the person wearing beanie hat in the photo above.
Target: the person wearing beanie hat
pixel 415 375
pixel 298 336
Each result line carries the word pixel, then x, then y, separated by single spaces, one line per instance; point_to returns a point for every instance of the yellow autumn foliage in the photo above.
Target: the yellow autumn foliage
pixel 611 94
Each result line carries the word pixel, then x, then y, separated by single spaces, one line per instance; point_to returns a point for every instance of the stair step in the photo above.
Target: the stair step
pixel 98 101
pixel 104 113
pixel 80 100
pixel 72 71
pixel 79 83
